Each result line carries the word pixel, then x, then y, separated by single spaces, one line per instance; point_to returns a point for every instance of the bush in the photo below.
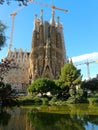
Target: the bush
pixel 37 101
pixel 70 100
pixel 45 101
pixel 81 99
pixel 26 102
pixel 53 101
pixel 77 99
pixel 93 100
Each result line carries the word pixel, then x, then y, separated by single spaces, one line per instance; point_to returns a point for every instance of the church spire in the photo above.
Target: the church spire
pixel 52 21
pixel 41 17
pixel 58 24
pixel 58 21
pixel 35 20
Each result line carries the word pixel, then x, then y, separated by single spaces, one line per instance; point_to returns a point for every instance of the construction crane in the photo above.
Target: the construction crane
pixel 12 28
pixel 88 68
pixel 64 10
pixel 53 7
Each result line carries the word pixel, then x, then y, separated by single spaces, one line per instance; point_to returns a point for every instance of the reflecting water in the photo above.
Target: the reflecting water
pixel 72 117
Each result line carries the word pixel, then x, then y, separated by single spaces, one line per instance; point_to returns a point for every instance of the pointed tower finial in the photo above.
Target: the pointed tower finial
pixel 58 21
pixel 35 18
pixel 58 18
pixel 52 21
pixel 58 24
pixel 41 17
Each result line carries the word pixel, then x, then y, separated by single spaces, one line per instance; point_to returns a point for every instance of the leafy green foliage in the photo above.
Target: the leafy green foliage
pixel 70 76
pixel 6 95
pixel 37 101
pixel 2 35
pixel 45 101
pixel 72 92
pixel 42 86
pixel 90 85
pixel 52 101
pixel 62 91
pixel 21 2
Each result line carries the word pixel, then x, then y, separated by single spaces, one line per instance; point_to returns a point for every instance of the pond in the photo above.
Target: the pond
pixel 69 117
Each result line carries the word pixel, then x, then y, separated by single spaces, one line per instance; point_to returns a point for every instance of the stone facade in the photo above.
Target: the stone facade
pixel 45 59
pixel 47 54
pixel 18 77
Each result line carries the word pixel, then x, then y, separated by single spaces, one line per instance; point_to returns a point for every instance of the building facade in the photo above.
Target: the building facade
pixel 46 57
pixel 18 76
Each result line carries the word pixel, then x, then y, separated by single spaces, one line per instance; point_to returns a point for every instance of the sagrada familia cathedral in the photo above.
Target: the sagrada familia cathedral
pixel 45 59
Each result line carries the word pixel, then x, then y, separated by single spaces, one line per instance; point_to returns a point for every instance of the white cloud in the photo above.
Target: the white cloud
pixel 89 56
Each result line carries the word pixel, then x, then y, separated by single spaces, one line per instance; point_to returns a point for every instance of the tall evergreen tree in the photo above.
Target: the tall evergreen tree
pixel 70 75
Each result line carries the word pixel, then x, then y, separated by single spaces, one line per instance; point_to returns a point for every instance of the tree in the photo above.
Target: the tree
pixel 7 95
pixel 2 34
pixel 24 2
pixel 91 85
pixel 62 91
pixel 70 75
pixel 42 86
pixel 5 66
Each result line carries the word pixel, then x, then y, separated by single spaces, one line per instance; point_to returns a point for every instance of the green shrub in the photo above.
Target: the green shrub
pixel 93 100
pixel 77 99
pixel 53 101
pixel 45 101
pixel 80 99
pixel 70 100
pixel 37 100
pixel 26 102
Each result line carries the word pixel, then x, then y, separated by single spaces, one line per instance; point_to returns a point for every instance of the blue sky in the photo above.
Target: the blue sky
pixel 80 25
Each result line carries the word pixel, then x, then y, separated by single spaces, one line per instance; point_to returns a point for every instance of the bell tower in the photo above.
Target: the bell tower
pixel 47 54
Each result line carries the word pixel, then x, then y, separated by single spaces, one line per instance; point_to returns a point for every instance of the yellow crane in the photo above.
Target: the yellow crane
pixel 88 68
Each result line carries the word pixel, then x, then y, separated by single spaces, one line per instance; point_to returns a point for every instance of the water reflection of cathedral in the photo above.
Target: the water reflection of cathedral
pixel 46 57
pixel 14 119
